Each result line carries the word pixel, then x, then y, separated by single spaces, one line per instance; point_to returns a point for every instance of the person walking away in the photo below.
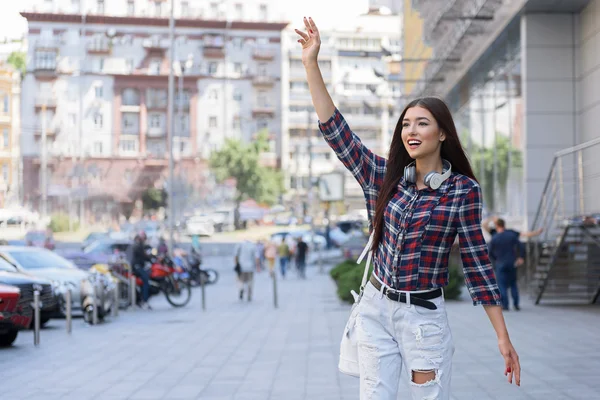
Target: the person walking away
pixel 419 200
pixel 260 256
pixel 283 251
pixel 301 253
pixel 507 253
pixel 245 260
pixel 138 260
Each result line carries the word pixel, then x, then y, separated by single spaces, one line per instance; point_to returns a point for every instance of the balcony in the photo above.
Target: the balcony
pixel 99 47
pixel 263 111
pixel 51 132
pixel 263 81
pixel 155 44
pixel 129 146
pixel 213 51
pixel 47 45
pixel 261 54
pixel 48 101
pixel 160 132
pixel 45 68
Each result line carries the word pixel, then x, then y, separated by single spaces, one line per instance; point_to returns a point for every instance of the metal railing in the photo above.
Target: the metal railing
pixel 572 188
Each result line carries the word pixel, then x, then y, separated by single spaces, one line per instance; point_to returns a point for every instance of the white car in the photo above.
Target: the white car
pixel 201 225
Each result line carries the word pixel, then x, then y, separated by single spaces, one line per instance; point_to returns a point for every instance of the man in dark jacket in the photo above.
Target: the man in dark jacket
pixel 138 259
pixel 507 253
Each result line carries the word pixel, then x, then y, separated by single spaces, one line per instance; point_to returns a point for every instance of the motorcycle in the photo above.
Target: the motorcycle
pixel 198 276
pixel 97 290
pixel 167 278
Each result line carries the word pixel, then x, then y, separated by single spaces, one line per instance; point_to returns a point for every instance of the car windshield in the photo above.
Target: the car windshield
pixel 40 260
pixel 98 247
pixel 6 266
pixel 36 236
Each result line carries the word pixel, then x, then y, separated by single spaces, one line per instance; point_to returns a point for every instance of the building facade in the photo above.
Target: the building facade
pixel 522 79
pixel 10 130
pixel 360 66
pixel 100 70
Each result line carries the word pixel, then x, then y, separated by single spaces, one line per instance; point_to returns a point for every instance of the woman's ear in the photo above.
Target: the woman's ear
pixel 442 136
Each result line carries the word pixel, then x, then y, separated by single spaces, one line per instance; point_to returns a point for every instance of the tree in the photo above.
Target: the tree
pixel 18 60
pixel 242 162
pixel 153 198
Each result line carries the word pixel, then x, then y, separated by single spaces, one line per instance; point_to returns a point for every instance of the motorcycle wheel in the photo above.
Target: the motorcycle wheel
pixel 211 275
pixel 181 296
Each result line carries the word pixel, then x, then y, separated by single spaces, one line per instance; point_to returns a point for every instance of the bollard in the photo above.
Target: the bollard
pixel 202 285
pixel 68 310
pixel 116 301
pixel 95 305
pixel 132 291
pixel 320 261
pixel 274 274
pixel 36 315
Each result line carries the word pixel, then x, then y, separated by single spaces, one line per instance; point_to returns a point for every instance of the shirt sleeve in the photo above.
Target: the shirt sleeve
pixel 478 270
pixel 367 167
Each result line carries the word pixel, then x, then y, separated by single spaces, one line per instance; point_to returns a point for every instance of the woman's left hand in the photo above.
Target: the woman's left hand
pixel 511 361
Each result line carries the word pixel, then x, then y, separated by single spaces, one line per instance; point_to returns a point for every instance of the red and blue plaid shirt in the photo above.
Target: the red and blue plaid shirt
pixel 420 225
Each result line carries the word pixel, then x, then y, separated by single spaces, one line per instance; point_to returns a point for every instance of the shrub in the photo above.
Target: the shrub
pixel 348 276
pixel 60 223
pixel 456 281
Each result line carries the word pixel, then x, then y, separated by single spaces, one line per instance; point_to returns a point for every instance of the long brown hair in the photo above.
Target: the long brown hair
pixel 398 157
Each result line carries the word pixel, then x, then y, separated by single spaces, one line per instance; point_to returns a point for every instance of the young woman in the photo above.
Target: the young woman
pixel 418 200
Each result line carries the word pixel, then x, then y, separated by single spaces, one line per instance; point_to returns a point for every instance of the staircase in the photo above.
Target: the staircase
pixel 563 264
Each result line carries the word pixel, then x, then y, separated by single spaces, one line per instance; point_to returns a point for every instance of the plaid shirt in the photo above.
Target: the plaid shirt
pixel 420 225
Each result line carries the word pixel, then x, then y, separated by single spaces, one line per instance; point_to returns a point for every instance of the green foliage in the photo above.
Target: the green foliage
pixel 242 162
pixel 348 276
pixel 60 223
pixel 153 198
pixel 456 282
pixel 486 176
pixel 18 60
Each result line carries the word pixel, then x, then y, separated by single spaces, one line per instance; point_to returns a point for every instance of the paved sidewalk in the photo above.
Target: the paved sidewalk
pixel 250 351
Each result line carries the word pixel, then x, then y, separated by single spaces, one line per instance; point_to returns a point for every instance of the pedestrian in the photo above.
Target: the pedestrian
pixel 270 256
pixel 507 253
pixel 490 226
pixel 300 255
pixel 283 251
pixel 245 262
pixel 418 200
pixel 260 256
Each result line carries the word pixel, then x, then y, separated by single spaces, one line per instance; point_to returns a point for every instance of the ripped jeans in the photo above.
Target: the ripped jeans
pixel 391 335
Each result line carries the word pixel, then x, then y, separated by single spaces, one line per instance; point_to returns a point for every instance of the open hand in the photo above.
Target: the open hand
pixel 310 41
pixel 511 360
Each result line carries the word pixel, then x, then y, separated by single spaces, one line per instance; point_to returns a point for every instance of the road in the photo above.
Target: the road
pixel 243 351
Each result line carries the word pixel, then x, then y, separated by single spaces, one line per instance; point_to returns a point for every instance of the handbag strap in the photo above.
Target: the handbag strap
pixel 369 258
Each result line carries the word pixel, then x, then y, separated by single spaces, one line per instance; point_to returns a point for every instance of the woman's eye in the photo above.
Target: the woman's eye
pixel 405 125
pixel 422 124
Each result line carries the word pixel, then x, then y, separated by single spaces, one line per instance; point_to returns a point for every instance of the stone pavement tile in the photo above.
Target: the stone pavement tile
pixel 123 389
pixel 220 389
pixel 184 392
pixel 146 393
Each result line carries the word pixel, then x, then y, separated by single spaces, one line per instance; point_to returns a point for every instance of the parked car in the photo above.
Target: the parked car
pixel 10 319
pixel 201 225
pixel 92 237
pixel 102 251
pixel 46 264
pixel 9 275
pixel 40 239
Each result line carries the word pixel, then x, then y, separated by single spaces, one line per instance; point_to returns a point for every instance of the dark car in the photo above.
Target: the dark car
pixel 9 275
pixel 13 314
pixel 104 251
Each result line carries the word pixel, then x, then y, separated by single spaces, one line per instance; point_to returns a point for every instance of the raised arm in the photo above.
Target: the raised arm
pixel 367 167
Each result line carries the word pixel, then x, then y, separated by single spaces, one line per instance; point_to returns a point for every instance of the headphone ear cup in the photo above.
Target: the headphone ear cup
pixel 409 174
pixel 435 181
pixel 427 179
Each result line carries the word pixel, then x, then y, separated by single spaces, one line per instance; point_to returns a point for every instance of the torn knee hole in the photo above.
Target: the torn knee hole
pixel 421 377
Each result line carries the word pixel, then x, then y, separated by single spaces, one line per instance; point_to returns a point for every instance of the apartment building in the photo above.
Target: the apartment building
pixel 100 70
pixel 361 67
pixel 10 92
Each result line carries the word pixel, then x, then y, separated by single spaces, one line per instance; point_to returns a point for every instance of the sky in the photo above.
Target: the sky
pixel 326 13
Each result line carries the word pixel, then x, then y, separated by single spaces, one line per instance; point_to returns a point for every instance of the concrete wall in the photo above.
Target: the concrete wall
pixel 549 83
pixel 588 106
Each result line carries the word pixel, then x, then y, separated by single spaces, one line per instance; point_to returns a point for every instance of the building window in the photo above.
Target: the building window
pixel 72 120
pixel 155 121
pixel 237 95
pixel 131 97
pixel 130 123
pixel 128 146
pixel 237 123
pixel 185 8
pixel 100 7
pixel 5 172
pixel 99 92
pixel 239 11
pixel 129 65
pixel 237 68
pixel 98 147
pixel 130 7
pixel 214 10
pixel 6 104
pixel 157 8
pixel 212 122
pixel 262 123
pixel 237 43
pixel 212 68
pixel 262 69
pixel 98 121
pixel 154 67
pixel 262 99
pixel 213 95
pixel 5 138
pixel 263 14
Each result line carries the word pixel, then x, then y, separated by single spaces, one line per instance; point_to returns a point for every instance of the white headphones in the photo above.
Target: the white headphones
pixel 433 179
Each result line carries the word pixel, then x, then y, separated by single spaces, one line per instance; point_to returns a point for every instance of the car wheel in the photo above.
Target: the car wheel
pixel 7 339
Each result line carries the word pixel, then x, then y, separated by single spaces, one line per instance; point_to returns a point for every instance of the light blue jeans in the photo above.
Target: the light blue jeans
pixel 391 335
